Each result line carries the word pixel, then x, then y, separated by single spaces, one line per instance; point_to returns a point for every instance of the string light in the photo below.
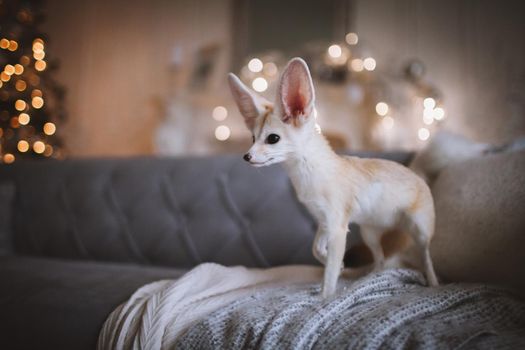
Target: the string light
pixel 260 84
pixel 5 77
pixel 4 43
pixel 23 146
pixel 39 55
pixel 369 63
pixel 24 118
pixel 270 69
pixel 428 113
pixel 39 147
pixel 20 105
pixel 38 46
pixel 36 92
pixel 37 102
pixel 352 38
pixel 222 133
pixel 382 108
pixel 14 123
pixel 40 65
pixel 423 134
pixel 255 65
pixel 49 128
pixel 13 45
pixel 428 118
pixel 335 51
pixel 25 60
pixel 439 113
pixel 9 158
pixel 34 79
pixel 9 69
pixel 357 65
pixel 48 151
pixel 429 103
pixel 19 69
pixel 219 113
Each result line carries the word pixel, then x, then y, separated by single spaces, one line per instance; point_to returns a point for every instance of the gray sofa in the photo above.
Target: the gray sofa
pixel 78 237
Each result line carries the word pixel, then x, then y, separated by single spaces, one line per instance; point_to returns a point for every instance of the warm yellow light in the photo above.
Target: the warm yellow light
pixel 4 43
pixel 25 60
pixel 37 102
pixel 352 38
pixel 36 92
pixel 260 84
pixel 14 123
pixel 369 63
pixel 38 46
pixel 48 151
pixel 429 103
pixel 24 118
pixel 23 146
pixel 439 113
pixel 34 79
pixel 4 77
pixel 9 69
pixel 388 122
pixel 49 128
pixel 39 147
pixel 9 158
pixel 38 40
pixel 428 113
pixel 19 69
pixel 428 118
pixel 40 65
pixel 335 51
pixel 356 65
pixel 382 108
pixel 39 55
pixel 255 65
pixel 20 105
pixel 222 133
pixel 13 45
pixel 270 69
pixel 423 134
pixel 219 113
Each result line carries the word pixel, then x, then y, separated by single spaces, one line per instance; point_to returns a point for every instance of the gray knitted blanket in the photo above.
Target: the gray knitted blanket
pixel 387 310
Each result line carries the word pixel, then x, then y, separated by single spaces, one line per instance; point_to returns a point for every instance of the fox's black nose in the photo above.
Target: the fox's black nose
pixel 247 157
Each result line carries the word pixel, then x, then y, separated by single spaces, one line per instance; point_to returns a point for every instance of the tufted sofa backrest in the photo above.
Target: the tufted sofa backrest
pixel 160 211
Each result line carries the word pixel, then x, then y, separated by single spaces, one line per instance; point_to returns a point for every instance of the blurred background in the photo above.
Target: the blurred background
pixel 120 78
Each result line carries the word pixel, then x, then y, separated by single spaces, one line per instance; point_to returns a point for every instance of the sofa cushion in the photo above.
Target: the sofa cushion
pixel 480 221
pixel 170 212
pixel 54 304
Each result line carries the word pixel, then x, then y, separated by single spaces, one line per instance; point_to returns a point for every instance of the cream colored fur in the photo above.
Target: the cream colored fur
pixel 376 194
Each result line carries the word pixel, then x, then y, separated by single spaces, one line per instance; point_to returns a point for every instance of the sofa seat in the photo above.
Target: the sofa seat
pixel 62 304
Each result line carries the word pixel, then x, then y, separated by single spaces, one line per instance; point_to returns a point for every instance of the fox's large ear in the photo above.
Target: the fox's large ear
pixel 296 92
pixel 250 105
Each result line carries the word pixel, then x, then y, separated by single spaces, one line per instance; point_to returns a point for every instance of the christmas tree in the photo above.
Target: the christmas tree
pixel 31 101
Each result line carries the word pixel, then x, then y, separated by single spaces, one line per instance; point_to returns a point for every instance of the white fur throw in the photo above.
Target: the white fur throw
pixel 215 307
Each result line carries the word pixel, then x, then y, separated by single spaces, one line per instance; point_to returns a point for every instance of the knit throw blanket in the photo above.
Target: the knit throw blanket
pixel 216 307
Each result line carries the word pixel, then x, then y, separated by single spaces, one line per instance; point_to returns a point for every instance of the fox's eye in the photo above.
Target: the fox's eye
pixel 253 139
pixel 273 138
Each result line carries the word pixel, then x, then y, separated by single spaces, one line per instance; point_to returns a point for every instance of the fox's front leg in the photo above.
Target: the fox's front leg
pixel 320 246
pixel 336 244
